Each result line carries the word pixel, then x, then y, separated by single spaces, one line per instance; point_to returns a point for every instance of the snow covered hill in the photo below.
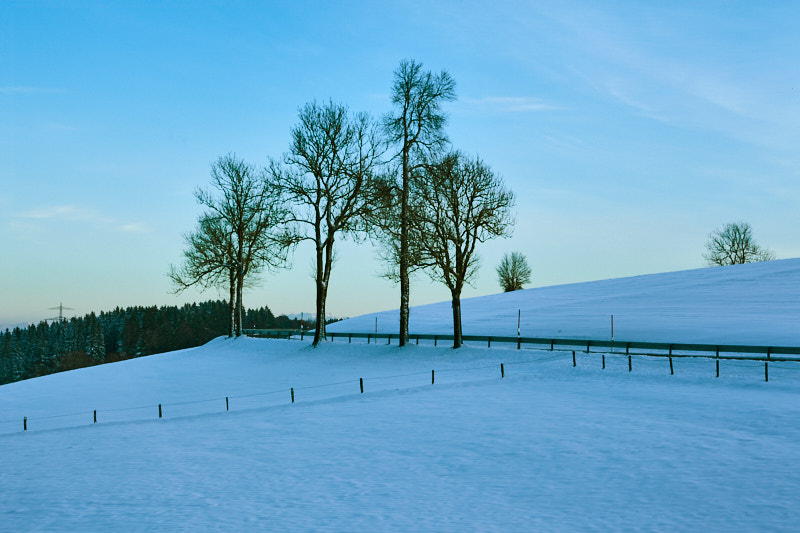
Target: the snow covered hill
pixel 548 447
pixel 757 303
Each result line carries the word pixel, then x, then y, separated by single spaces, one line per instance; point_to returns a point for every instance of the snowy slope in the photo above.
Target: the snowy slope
pixel 549 447
pixel 757 303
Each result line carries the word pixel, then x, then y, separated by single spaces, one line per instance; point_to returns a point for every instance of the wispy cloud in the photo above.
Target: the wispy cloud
pixel 26 89
pixel 72 213
pixel 135 227
pixel 510 104
pixel 64 212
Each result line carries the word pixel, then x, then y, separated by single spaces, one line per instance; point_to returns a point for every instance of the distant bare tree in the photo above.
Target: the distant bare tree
pixel 457 203
pixel 513 272
pixel 416 128
pixel 734 245
pixel 241 233
pixel 329 180
pixel 208 262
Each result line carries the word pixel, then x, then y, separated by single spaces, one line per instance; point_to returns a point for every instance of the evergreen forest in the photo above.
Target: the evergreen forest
pixel 47 348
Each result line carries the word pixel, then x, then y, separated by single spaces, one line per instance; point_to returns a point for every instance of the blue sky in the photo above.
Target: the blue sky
pixel 628 132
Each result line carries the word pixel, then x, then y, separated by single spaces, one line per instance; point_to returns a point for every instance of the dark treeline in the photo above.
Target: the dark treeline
pixel 116 335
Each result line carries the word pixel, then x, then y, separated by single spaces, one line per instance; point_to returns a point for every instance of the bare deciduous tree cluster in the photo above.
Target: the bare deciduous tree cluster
pixel 733 244
pixel 513 272
pixel 348 176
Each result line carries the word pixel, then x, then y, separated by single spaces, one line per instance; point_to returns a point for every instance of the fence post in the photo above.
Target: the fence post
pixel 417 339
pixel 573 358
pixel 227 407
pixel 630 367
pixel 490 343
pixel 159 410
pixel 587 346
pixel 25 423
pixel 604 361
pixel 435 339
pixel 552 344
pixel 766 367
pixel 502 371
pixel 349 338
pixel 361 383
pixel 671 371
pixel 389 339
pixel 368 336
pixel 432 378
pixel 292 391
pixel 95 416
pixel 717 361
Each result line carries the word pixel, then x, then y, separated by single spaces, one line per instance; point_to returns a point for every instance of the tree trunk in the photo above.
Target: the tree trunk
pixel 319 332
pixel 232 304
pixel 404 281
pixel 239 304
pixel 456 318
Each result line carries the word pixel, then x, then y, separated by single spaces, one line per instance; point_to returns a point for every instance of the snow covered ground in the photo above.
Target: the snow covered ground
pixel 549 447
pixel 756 303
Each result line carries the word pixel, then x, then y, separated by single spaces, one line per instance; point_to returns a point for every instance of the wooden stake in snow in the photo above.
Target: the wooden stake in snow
pixel 361 383
pixel 292 391
pixel 502 371
pixel 432 377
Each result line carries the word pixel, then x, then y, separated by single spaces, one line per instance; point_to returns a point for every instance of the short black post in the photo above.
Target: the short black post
pixel 766 367
pixel 361 382
pixel 627 348
pixel 227 406
pixel 717 361
pixel 417 339
pixel 435 339
pixel 604 361
pixel 573 358
pixel 292 391
pixel 588 343
pixel 349 339
pixel 368 339
pixel 630 367
pixel 95 416
pixel 159 410
pixel 432 378
pixel 519 343
pixel 301 332
pixel 552 344
pixel 490 343
pixel 25 423
pixel 388 339
pixel 502 371
pixel 671 370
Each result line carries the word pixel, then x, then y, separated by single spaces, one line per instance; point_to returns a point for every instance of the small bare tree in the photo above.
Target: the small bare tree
pixel 241 233
pixel 457 202
pixel 208 262
pixel 416 128
pixel 329 180
pixel 513 272
pixel 733 244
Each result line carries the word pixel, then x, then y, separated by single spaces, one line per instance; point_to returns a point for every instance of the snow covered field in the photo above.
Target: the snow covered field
pixel 756 303
pixel 550 447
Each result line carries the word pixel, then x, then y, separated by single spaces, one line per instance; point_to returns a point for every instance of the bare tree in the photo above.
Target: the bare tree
pixel 513 272
pixel 329 179
pixel 241 233
pixel 208 262
pixel 458 202
pixel 734 245
pixel 416 127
